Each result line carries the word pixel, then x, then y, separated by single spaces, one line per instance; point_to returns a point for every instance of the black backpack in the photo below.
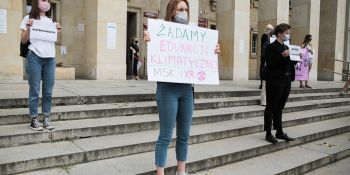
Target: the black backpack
pixel 24 49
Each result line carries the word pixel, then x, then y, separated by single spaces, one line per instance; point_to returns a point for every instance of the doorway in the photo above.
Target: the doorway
pixel 131 33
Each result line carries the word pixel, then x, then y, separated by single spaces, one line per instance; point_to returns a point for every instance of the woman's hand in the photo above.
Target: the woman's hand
pixel 285 53
pixel 29 23
pixel 59 28
pixel 217 49
pixel 146 36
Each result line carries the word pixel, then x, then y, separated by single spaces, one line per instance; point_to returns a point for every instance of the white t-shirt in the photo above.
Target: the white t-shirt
pixel 44 49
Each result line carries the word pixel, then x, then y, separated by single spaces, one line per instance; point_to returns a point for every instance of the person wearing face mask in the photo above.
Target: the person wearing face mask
pixel 135 56
pixel 40 65
pixel 303 68
pixel 174 102
pixel 280 73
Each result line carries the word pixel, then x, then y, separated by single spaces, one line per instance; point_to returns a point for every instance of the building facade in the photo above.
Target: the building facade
pixel 84 52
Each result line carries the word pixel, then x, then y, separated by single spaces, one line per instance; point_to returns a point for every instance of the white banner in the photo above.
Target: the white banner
pixel 46 31
pixel 294 52
pixel 181 53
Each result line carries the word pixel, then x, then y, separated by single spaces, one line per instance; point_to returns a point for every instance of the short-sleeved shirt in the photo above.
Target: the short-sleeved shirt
pixel 42 48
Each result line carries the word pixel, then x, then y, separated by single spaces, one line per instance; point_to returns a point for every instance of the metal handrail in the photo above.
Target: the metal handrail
pixel 346 71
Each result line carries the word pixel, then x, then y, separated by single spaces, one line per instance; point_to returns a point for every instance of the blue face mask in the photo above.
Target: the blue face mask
pixel 286 37
pixel 181 18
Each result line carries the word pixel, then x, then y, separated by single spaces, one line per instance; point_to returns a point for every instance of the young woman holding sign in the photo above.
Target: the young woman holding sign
pixel 40 64
pixel 174 102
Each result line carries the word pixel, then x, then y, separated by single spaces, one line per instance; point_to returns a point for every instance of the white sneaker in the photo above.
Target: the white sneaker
pixel 181 173
pixel 35 125
pixel 47 124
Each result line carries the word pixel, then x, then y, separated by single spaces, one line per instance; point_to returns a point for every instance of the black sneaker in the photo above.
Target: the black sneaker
pixel 47 123
pixel 35 125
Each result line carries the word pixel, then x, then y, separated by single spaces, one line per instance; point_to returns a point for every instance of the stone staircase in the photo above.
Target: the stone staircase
pixel 115 134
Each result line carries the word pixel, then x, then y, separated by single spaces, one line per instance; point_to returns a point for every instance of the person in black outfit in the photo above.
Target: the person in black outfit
pixel 264 39
pixel 279 74
pixel 135 54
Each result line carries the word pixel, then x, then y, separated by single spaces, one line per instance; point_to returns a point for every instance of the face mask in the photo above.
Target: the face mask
pixel 181 18
pixel 286 37
pixel 44 6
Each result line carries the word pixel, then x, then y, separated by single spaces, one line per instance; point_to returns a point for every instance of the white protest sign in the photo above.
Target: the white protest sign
pixel 181 53
pixel 111 36
pixel 3 21
pixel 41 30
pixel 294 52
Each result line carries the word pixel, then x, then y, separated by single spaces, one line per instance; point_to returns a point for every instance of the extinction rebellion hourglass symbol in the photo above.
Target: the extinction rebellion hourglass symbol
pixel 201 76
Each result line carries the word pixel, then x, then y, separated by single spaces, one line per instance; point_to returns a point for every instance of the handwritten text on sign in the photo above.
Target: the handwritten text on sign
pixel 46 31
pixel 181 53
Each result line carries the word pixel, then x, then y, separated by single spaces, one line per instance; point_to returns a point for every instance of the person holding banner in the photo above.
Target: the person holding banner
pixel 174 102
pixel 302 69
pixel 280 73
pixel 41 32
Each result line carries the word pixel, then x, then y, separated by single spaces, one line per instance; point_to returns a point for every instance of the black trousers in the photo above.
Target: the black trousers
pixel 277 92
pixel 135 72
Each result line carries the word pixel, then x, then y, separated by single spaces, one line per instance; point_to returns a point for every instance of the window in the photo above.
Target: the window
pixel 254 43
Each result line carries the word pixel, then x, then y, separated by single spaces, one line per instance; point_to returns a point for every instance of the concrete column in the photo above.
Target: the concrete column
pixel 306 20
pixel 194 9
pixel 103 63
pixel 233 22
pixel 162 10
pixel 11 66
pixel 270 12
pixel 332 38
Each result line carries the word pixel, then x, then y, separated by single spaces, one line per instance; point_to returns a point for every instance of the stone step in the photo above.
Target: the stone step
pixel 296 160
pixel 98 99
pixel 340 167
pixel 20 115
pixel 15 135
pixel 202 156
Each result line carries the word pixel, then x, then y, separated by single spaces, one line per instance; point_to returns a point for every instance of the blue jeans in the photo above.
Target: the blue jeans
pixel 175 106
pixel 40 69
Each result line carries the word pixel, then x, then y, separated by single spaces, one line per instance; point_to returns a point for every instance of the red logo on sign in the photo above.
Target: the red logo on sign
pixel 201 76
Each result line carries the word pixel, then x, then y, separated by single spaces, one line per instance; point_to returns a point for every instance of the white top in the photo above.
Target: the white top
pixel 44 49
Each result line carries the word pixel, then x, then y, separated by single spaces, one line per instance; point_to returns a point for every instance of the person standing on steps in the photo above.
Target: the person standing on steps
pixel 302 69
pixel 174 102
pixel 264 38
pixel 263 65
pixel 280 73
pixel 345 88
pixel 40 65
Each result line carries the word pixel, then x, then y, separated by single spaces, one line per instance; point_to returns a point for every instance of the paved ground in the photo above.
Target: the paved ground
pixel 19 89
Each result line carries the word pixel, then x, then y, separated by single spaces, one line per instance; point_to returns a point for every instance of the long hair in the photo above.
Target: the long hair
pixel 171 9
pixel 35 11
pixel 307 40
